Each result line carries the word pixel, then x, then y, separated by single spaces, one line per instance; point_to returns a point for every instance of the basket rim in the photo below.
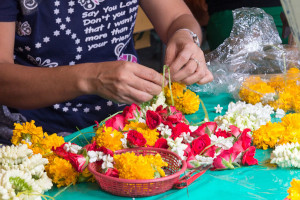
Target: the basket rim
pixel 166 178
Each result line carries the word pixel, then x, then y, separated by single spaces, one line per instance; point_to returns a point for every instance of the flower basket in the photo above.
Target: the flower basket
pixel 142 188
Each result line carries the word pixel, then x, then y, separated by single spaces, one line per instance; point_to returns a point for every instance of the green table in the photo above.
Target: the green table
pixel 262 181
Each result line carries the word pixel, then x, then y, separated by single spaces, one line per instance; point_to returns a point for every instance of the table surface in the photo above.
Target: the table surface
pixel 263 181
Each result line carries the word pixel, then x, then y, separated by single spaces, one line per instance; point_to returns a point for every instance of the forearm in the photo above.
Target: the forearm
pixel 186 21
pixel 34 87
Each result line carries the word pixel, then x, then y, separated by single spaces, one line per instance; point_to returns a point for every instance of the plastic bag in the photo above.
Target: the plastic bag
pixel 253 47
pixel 281 91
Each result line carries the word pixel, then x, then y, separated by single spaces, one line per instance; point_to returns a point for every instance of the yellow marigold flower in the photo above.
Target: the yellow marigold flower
pixel 185 100
pixel 253 89
pixel 27 131
pixel 150 135
pixel 109 138
pixel 61 172
pixel 268 135
pixel 294 190
pixel 291 120
pixel 131 166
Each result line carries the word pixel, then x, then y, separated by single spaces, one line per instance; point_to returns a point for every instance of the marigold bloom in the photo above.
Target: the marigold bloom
pixel 294 190
pixel 131 166
pixel 185 100
pixel 61 171
pixel 109 138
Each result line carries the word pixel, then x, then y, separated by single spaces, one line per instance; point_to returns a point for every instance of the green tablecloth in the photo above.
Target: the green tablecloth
pixel 263 181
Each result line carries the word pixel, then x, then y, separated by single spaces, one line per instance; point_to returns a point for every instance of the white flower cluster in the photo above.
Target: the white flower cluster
pixel 21 176
pixel 286 155
pixel 279 113
pixel 177 146
pixel 73 148
pixel 244 115
pixel 204 160
pixel 100 156
pixel 165 130
pixel 13 155
pixel 224 143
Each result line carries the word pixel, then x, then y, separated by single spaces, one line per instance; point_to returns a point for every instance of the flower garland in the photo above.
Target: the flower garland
pixel 280 91
pixel 243 115
pixel 22 174
pixel 294 190
pixel 271 134
pixel 185 100
pixel 286 155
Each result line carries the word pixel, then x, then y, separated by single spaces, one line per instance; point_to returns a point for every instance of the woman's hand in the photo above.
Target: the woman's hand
pixel 186 60
pixel 124 82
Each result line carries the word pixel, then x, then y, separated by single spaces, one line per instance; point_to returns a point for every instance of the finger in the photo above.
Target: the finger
pixel 149 75
pixel 137 95
pixel 207 78
pixel 170 54
pixel 145 85
pixel 182 59
pixel 188 70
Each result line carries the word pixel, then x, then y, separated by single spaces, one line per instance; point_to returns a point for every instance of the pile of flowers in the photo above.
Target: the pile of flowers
pixel 243 115
pixel 185 100
pixel 294 190
pixel 22 174
pixel 280 91
pixel 166 127
pixel 272 134
pixel 63 172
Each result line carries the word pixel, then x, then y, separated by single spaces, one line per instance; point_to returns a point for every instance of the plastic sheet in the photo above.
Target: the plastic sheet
pixel 253 47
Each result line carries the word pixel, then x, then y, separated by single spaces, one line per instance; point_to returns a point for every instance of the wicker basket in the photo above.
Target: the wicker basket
pixel 142 188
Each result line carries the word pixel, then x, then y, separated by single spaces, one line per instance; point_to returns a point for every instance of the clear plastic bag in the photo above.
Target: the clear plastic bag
pixel 281 91
pixel 253 47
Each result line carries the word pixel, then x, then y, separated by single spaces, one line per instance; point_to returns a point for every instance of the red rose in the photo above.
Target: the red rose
pixel 225 160
pixel 61 152
pixel 235 130
pixel 199 144
pixel 116 122
pixel 161 143
pixel 179 129
pixel 79 162
pixel 112 172
pixel 206 128
pixel 243 142
pixel 91 147
pixel 135 138
pixel 223 133
pixel 132 112
pixel 152 119
pixel 248 157
pixel 175 116
pixel 211 151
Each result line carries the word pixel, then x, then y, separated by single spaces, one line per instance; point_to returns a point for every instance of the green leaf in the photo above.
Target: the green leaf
pixel 20 185
pixel 195 163
pixel 227 164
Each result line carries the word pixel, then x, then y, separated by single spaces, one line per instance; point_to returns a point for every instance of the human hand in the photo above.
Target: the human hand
pixel 125 82
pixel 186 60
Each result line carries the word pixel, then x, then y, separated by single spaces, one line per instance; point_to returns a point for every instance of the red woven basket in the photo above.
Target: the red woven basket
pixel 142 188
